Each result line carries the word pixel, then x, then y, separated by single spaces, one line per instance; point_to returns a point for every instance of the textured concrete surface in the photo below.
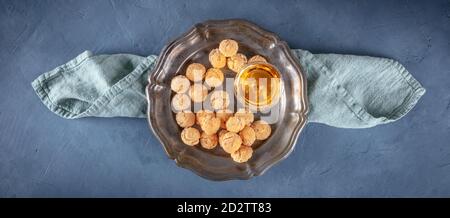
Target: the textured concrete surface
pixel 44 155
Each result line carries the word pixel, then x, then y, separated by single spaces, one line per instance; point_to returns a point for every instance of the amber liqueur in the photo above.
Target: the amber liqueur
pixel 258 84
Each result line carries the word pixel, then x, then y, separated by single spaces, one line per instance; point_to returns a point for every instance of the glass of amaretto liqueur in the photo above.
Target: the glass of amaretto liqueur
pixel 258 85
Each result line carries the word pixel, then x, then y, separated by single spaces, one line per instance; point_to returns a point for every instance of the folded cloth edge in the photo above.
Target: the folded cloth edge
pixel 42 90
pixel 358 109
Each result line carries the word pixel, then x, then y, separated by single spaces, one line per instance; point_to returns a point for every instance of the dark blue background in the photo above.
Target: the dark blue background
pixel 42 154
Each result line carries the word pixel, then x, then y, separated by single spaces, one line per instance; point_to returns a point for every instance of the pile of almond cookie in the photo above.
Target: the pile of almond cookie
pixel 234 132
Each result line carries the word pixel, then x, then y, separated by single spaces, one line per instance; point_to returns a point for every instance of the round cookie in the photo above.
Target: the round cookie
pixel 181 102
pixel 257 58
pixel 236 62
pixel 247 135
pixel 210 126
pixel 214 77
pixel 180 84
pixel 190 136
pixel 204 115
pixel 242 155
pixel 217 59
pixel 198 92
pixel 230 142
pixel 208 141
pixel 195 72
pixel 219 100
pixel 245 115
pixel 262 129
pixel 185 119
pixel 228 47
pixel 234 124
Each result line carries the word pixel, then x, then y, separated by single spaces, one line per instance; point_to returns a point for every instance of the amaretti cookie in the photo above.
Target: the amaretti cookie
pixel 228 47
pixel 236 62
pixel 257 58
pixel 243 154
pixel 230 142
pixel 190 136
pixel 234 124
pixel 210 126
pixel 185 119
pixel 217 59
pixel 219 100
pixel 208 141
pixel 195 72
pixel 202 115
pixel 247 135
pixel 180 84
pixel 181 102
pixel 262 129
pixel 245 115
pixel 214 77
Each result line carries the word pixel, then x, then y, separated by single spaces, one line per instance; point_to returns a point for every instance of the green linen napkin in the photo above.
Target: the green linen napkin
pixel 344 91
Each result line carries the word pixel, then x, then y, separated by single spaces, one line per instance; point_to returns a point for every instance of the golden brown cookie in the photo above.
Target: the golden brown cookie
pixel 217 59
pixel 180 84
pixel 185 119
pixel 245 115
pixel 210 126
pixel 198 92
pixel 243 154
pixel 234 124
pixel 262 129
pixel 230 142
pixel 208 141
pixel 219 99
pixel 195 72
pixel 214 77
pixel 257 58
pixel 236 62
pixel 181 102
pixel 228 47
pixel 190 136
pixel 204 115
pixel 223 115
pixel 247 135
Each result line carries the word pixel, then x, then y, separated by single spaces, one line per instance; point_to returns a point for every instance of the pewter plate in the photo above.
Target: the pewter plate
pixel 194 46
